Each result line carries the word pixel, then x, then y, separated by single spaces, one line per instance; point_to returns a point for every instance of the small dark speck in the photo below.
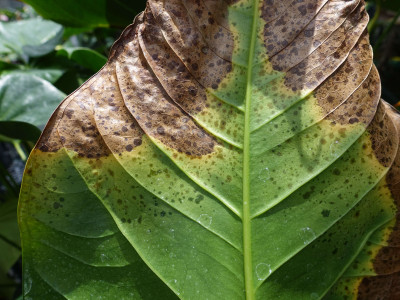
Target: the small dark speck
pixel 325 213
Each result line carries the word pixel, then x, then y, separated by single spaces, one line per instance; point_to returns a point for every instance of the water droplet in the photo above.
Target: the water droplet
pixel 263 270
pixel 333 150
pixel 314 296
pixel 27 283
pixel 205 220
pixel 264 174
pixel 307 235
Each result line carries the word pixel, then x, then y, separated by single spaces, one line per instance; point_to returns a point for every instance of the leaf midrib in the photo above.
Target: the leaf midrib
pixel 247 251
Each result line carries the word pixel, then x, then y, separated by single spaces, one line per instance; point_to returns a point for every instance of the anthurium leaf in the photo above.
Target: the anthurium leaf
pixel 26 102
pixel 51 75
pixel 16 130
pixel 29 38
pixel 89 13
pixel 232 149
pixel 85 57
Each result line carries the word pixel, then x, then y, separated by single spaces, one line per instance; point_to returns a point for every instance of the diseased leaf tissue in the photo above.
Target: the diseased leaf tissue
pixel 228 150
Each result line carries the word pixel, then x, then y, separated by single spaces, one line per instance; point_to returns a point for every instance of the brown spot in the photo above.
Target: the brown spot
pixel 69 113
pixel 384 138
pixel 353 120
pixel 160 130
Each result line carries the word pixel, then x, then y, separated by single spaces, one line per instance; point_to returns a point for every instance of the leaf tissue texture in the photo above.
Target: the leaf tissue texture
pixel 227 150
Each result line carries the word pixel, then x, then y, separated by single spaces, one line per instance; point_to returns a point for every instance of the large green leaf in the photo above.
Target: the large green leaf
pixel 29 38
pixel 85 57
pixel 228 150
pixel 51 75
pixel 89 13
pixel 26 102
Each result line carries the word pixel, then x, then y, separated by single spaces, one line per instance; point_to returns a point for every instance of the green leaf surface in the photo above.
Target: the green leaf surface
pixel 26 102
pixel 232 149
pixel 15 130
pixel 29 38
pixel 51 75
pixel 89 13
pixel 85 57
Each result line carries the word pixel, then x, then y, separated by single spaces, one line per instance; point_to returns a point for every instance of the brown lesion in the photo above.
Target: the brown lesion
pixel 77 130
pixel 118 128
pixel 284 21
pixel 81 124
pixel 380 288
pixel 314 69
pixel 312 38
pixel 384 135
pixel 94 121
pixel 197 51
pixel 348 77
pixel 359 107
pixel 169 69
pixel 316 40
pixel 324 47
pixel 126 100
pixel 386 264
pixel 127 35
pixel 356 76
pixel 49 140
pixel 210 20
pixel 154 110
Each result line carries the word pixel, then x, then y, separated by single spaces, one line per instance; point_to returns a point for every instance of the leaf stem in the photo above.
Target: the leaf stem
pixel 247 251
pixel 20 151
pixel 372 23
pixel 9 242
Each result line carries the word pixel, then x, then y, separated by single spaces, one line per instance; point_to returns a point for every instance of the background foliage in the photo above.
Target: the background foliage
pixel 43 60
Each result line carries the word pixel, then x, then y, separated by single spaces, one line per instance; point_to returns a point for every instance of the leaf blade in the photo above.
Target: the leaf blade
pixel 161 105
